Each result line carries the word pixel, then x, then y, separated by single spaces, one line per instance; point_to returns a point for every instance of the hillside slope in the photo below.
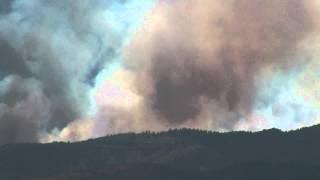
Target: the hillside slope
pixel 176 154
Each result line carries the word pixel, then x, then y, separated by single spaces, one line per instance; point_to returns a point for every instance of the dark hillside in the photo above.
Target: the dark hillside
pixel 176 154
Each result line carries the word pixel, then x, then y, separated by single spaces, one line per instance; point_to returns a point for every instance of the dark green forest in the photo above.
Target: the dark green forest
pixel 173 155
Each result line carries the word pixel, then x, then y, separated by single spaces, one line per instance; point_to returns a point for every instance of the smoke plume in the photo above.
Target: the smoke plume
pixel 77 69
pixel 197 62
pixel 51 53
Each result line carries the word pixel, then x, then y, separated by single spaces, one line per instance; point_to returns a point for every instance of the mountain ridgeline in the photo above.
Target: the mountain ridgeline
pixel 173 155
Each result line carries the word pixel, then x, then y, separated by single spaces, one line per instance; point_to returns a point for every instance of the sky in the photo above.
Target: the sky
pixel 71 70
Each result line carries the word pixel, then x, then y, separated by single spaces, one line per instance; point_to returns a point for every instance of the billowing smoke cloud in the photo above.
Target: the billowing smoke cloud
pixel 51 53
pixel 23 109
pixel 197 62
pixel 77 69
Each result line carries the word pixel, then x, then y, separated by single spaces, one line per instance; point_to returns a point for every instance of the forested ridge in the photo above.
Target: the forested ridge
pixel 175 154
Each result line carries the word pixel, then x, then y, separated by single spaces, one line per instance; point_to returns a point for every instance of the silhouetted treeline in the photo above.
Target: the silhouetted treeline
pixel 175 154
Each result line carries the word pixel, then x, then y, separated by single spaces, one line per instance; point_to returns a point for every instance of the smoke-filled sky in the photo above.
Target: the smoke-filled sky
pixel 78 69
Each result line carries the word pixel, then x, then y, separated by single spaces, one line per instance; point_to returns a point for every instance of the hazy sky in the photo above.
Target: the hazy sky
pixel 78 69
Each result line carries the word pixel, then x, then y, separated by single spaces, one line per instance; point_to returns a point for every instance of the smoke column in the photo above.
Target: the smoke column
pixel 218 65
pixel 51 54
pixel 77 69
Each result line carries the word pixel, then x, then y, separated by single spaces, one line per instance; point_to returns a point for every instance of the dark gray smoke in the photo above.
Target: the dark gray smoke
pixel 204 56
pixel 51 53
pixel 5 6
